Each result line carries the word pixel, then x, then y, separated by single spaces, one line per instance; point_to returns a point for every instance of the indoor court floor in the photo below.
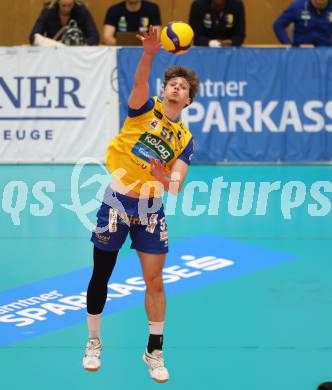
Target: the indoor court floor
pixel 249 282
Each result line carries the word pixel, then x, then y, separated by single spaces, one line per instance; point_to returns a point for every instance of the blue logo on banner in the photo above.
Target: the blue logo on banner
pixel 60 301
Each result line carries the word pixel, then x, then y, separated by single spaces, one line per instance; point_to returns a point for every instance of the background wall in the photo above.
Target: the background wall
pixel 17 19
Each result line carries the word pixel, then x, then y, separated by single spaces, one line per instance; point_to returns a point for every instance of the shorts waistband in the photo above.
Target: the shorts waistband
pixel 130 205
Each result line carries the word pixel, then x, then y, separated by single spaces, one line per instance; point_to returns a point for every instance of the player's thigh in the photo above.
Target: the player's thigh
pixel 152 264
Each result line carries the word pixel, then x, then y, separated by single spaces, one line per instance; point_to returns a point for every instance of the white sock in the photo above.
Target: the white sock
pixel 156 327
pixel 94 325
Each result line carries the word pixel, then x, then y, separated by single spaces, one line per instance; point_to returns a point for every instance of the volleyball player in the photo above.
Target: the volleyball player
pixel 151 154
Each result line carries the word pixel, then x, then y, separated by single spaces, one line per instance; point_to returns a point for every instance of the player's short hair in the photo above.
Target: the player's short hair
pixel 189 75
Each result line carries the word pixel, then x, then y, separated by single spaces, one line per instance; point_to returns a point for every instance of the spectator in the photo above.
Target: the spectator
pixel 312 21
pixel 325 386
pixel 130 15
pixel 218 23
pixel 58 14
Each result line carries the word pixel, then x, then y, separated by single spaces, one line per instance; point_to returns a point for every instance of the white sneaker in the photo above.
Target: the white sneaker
pixel 157 369
pixel 91 359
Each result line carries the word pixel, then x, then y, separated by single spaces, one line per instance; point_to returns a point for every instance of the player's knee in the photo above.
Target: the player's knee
pixel 154 284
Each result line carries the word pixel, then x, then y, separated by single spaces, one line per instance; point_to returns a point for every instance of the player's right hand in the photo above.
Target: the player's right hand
pixel 150 40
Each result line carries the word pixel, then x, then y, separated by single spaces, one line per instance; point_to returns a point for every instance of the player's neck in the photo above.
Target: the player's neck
pixel 133 7
pixel 172 111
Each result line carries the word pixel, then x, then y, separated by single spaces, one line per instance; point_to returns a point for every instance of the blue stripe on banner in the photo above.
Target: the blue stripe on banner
pixel 59 302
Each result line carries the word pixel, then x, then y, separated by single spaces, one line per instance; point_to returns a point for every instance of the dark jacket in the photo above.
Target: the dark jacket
pixel 49 23
pixel 311 26
pixel 209 24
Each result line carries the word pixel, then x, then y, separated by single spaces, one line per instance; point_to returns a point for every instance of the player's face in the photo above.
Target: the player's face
pixel 177 91
pixel 320 4
pixel 66 6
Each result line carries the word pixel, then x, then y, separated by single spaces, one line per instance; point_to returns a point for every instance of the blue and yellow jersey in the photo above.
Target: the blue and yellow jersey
pixel 146 133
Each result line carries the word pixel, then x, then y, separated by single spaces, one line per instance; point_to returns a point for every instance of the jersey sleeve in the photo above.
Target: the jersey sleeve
pixel 282 22
pixel 111 17
pixel 148 106
pixel 40 25
pixel 188 152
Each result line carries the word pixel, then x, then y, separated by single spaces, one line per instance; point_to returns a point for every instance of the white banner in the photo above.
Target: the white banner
pixel 57 104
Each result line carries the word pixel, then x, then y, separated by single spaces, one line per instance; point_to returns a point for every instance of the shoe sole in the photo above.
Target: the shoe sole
pixel 159 381
pixel 91 369
pixel 156 380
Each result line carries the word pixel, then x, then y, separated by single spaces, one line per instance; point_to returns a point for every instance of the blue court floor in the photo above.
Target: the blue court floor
pixel 248 276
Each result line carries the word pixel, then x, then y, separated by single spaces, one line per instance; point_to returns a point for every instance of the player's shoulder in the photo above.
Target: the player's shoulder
pixel 236 4
pixel 118 7
pixel 138 112
pixel 298 4
pixel 201 5
pixel 184 131
pixel 149 5
pixel 48 12
pixel 81 9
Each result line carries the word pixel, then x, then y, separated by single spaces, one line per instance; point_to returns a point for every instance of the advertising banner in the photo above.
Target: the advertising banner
pixel 57 104
pixel 254 105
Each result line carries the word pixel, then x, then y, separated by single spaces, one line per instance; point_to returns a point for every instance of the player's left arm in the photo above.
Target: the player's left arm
pixel 173 180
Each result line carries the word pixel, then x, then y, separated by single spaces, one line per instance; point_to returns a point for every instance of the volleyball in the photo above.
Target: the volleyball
pixel 177 37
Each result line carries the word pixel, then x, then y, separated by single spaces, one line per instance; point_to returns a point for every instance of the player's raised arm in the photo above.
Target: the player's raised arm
pixel 140 92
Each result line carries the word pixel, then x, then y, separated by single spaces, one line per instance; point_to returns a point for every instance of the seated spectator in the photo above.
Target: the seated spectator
pixel 58 16
pixel 325 386
pixel 218 23
pixel 312 21
pixel 130 15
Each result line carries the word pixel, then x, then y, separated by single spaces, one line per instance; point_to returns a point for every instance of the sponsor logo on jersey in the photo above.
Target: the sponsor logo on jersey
pixel 154 124
pixel 229 20
pixel 305 15
pixel 158 146
pixel 158 114
pixel 143 152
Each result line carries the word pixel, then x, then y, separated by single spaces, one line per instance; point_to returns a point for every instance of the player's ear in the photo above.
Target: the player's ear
pixel 188 103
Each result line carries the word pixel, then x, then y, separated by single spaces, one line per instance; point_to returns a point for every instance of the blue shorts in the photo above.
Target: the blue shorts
pixel 144 220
